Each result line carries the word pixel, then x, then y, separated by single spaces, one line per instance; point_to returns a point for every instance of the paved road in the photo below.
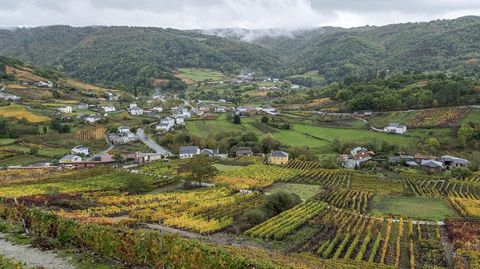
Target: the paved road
pixel 110 147
pixel 152 144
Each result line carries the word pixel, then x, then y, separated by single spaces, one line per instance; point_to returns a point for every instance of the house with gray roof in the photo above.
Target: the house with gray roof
pixel 395 128
pixel 188 151
pixel 277 157
pixel 452 162
pixel 432 165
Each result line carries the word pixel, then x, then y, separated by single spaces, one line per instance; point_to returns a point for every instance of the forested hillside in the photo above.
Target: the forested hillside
pixel 132 57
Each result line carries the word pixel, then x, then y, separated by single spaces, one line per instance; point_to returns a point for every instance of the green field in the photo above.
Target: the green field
pixel 473 116
pixel 318 138
pixel 302 190
pixel 44 151
pixel 200 74
pixel 313 74
pixel 6 141
pixel 422 208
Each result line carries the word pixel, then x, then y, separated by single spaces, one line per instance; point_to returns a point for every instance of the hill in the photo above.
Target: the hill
pixel 133 57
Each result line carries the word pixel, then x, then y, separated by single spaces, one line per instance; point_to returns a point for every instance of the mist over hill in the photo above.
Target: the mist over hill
pixel 133 56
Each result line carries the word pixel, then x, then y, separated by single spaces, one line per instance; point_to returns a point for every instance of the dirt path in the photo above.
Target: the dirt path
pixel 218 238
pixel 32 257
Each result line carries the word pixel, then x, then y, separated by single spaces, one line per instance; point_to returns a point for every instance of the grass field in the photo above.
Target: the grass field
pixel 21 159
pixel 6 141
pixel 210 127
pixel 423 208
pixel 42 150
pixel 304 191
pixel 194 75
pixel 473 116
pixel 318 138
pixel 19 112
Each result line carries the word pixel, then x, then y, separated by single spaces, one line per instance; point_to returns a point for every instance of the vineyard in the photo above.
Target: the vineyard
pixel 322 177
pixel 435 117
pixel 342 234
pixel 254 176
pixel 432 188
pixel 303 165
pixel 465 236
pixel 202 211
pixel 96 133
pixel 101 179
pixel 468 208
pixel 342 198
pixel 286 222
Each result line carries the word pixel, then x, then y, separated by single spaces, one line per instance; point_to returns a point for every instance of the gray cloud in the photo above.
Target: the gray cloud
pixel 251 14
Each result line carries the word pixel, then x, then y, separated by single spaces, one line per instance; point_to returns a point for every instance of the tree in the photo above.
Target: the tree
pixel 465 133
pixel 264 119
pixel 136 184
pixel 433 143
pixel 236 119
pixel 197 169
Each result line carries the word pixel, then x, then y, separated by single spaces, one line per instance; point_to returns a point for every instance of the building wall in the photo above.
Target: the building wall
pixel 278 160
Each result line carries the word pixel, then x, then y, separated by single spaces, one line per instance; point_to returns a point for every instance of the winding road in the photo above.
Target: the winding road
pixel 152 144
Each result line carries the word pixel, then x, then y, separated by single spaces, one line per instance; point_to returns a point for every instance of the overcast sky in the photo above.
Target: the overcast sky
pixel 252 14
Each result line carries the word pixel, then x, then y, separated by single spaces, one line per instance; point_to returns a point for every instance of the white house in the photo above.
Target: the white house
pixel 220 109
pixel 123 129
pixel 109 108
pixel 395 128
pixel 136 111
pixel 112 97
pixel 70 158
pixel 80 150
pixel 188 151
pixel 179 121
pixel 163 127
pixel 168 121
pixel 65 109
pixel 92 119
pixel 133 105
pixel 158 109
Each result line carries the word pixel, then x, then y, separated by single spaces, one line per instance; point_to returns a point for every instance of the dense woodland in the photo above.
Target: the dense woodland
pixel 131 57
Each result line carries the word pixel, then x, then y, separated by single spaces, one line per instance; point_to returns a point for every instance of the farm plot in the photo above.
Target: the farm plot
pixel 286 222
pixel 95 133
pixel 432 188
pixel 465 235
pixel 20 112
pixel 254 176
pixel 435 117
pixel 322 177
pixel 202 211
pixel 344 234
pixel 303 165
pixel 468 208
pixel 355 200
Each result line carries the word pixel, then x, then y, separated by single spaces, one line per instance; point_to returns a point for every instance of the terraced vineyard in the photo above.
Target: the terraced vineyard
pixel 286 222
pixel 432 188
pixel 355 200
pixel 343 234
pixel 468 208
pixel 203 211
pixel 303 165
pixel 322 177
